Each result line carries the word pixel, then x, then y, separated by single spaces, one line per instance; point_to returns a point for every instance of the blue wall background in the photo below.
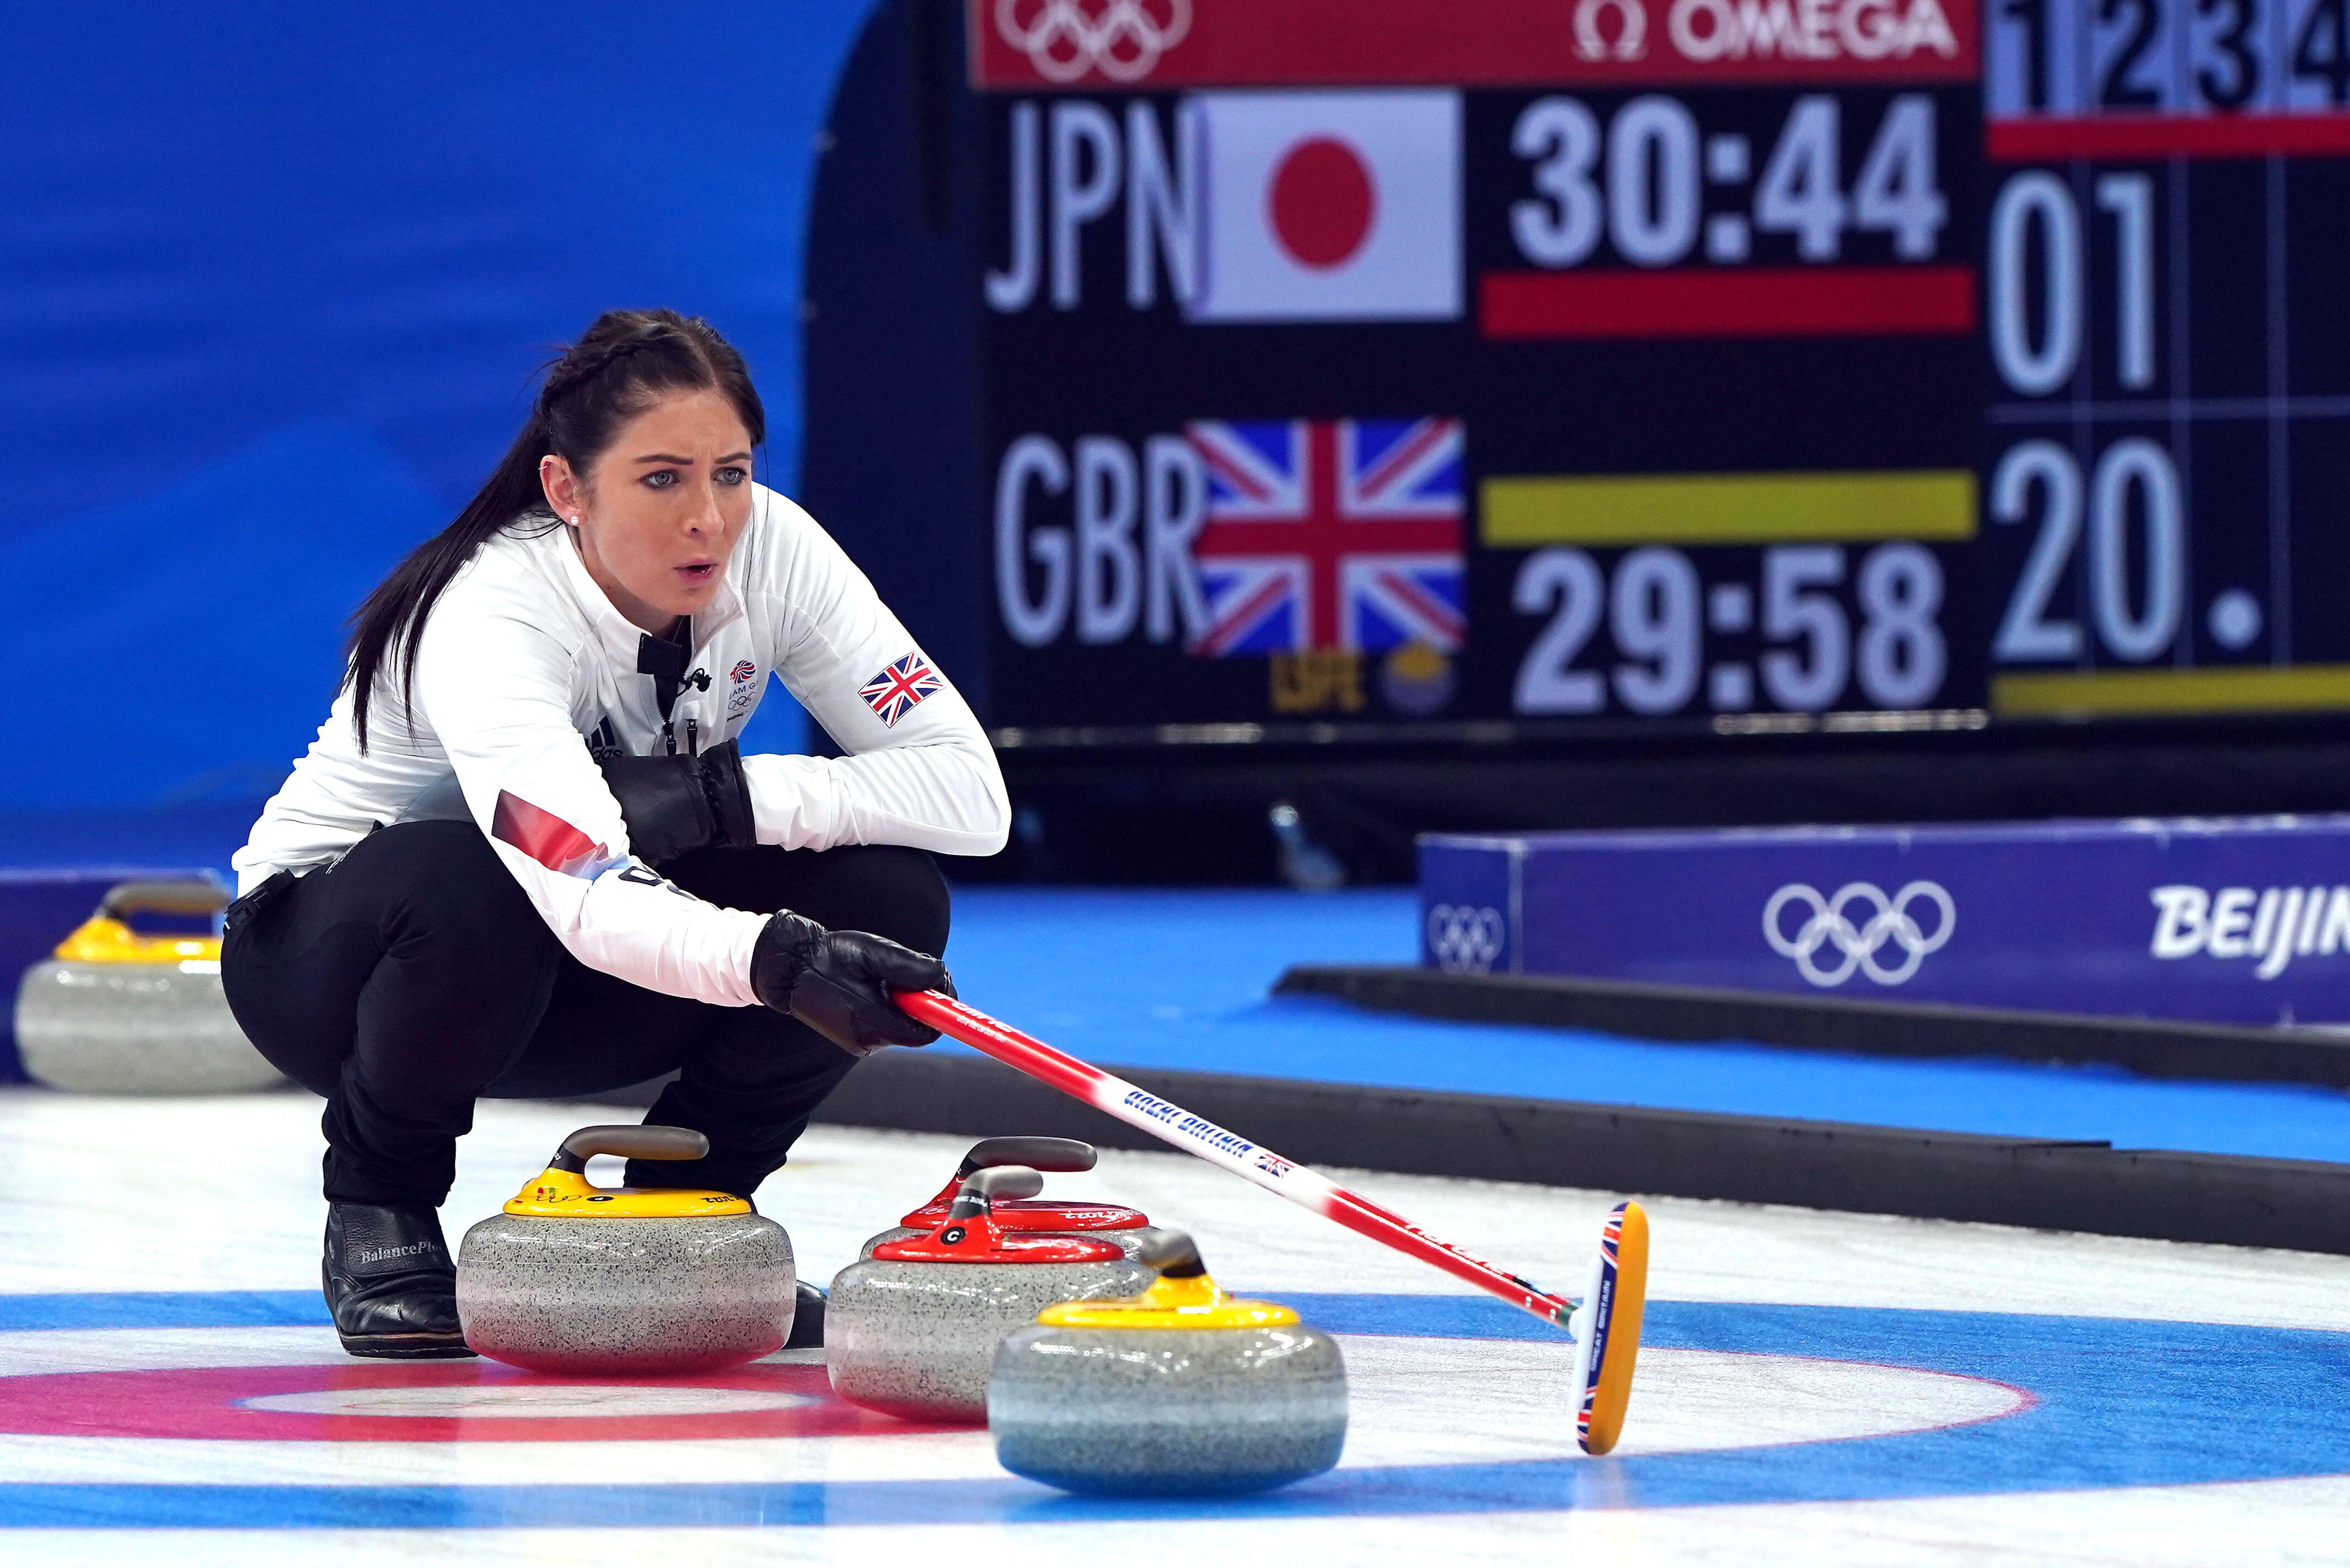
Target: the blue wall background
pixel 273 279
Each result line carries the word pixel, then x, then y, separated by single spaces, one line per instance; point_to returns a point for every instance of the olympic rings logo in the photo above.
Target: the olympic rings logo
pixel 1827 923
pixel 1063 39
pixel 1465 940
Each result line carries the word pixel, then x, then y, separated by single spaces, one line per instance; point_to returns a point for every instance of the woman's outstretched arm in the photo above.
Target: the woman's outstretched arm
pixel 920 770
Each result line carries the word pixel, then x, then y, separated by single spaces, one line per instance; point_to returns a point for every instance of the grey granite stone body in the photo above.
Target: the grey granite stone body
pixel 1128 1241
pixel 134 1029
pixel 655 1294
pixel 1125 1411
pixel 918 1340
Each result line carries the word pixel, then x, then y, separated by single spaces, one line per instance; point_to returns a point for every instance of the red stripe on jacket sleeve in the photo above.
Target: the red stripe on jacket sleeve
pixel 543 837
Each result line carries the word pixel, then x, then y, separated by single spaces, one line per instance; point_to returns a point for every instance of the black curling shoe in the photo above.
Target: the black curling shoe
pixel 807 1318
pixel 390 1281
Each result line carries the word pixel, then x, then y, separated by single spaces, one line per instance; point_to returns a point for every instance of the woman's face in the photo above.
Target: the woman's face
pixel 658 514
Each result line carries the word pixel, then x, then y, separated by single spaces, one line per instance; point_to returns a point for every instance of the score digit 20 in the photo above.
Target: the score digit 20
pixel 1645 182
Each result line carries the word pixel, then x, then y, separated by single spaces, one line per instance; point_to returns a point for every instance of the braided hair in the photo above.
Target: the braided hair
pixel 619 366
pixel 588 359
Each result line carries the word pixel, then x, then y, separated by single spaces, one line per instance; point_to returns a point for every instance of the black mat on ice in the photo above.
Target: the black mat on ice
pixel 2090 1186
pixel 2157 1050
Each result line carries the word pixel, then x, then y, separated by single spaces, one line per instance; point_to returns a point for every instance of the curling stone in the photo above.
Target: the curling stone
pixel 911 1331
pixel 122 1011
pixel 1181 1390
pixel 575 1278
pixel 1127 1229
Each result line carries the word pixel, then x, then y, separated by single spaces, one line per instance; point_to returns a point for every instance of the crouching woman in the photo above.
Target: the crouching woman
pixel 525 857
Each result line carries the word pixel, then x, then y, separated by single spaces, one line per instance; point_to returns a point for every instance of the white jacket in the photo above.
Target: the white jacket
pixel 523 658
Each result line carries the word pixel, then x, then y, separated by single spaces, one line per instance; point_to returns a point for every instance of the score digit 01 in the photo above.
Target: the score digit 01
pixel 1650 608
pixel 2120 507
pixel 1636 185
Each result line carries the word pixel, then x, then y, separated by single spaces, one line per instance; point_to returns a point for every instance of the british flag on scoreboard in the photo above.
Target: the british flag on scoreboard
pixel 897 689
pixel 1329 534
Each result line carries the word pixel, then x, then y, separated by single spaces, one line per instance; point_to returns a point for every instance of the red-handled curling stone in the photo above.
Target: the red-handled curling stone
pixel 912 1330
pixel 1125 1227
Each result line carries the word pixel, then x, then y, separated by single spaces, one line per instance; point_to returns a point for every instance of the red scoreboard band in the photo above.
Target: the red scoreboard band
pixel 1729 302
pixel 1030 45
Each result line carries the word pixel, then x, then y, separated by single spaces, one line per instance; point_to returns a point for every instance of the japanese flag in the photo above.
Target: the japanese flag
pixel 1330 206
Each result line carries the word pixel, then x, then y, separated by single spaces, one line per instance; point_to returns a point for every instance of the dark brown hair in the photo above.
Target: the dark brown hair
pixel 620 364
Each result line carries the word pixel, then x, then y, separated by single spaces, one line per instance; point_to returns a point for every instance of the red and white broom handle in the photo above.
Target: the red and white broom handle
pixel 1196 1135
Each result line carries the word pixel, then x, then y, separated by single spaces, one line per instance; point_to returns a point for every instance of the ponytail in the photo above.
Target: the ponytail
pixel 386 624
pixel 602 381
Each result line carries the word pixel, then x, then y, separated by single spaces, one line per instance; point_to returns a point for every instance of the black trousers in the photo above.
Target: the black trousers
pixel 413 976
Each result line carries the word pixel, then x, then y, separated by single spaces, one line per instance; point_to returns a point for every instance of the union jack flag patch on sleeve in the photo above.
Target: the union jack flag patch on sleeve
pixel 894 693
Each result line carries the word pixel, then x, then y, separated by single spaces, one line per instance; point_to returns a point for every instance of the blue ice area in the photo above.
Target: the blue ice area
pixel 1181 980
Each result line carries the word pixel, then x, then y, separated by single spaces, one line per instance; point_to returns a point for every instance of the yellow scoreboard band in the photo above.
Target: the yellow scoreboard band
pixel 2211 688
pixel 1526 511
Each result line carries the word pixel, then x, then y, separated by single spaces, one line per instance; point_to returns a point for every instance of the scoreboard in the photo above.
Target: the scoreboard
pixel 1407 369
pixel 2166 337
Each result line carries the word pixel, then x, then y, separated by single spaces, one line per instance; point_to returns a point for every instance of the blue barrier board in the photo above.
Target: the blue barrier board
pixel 2237 921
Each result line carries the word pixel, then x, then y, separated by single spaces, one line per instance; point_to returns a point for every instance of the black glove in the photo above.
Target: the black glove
pixel 838 982
pixel 675 805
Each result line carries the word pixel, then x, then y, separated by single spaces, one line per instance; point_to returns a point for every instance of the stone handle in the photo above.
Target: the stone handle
pixel 1173 1253
pixel 630 1143
pixel 1036 1153
pixel 982 1189
pixel 179 896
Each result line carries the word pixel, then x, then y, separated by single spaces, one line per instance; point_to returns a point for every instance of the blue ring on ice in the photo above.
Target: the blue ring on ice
pixel 2122 1402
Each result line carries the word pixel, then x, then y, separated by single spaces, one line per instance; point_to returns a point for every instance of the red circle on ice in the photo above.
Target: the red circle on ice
pixel 433 1402
pixel 1322 201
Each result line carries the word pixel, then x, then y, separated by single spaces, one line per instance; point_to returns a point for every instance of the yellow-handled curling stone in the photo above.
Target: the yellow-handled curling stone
pixel 1127 1229
pixel 911 1331
pixel 1182 1389
pixel 121 1012
pixel 578 1278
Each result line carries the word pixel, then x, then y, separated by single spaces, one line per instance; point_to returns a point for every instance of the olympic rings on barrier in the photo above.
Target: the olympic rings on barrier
pixel 1827 924
pixel 1063 39
pixel 1465 940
